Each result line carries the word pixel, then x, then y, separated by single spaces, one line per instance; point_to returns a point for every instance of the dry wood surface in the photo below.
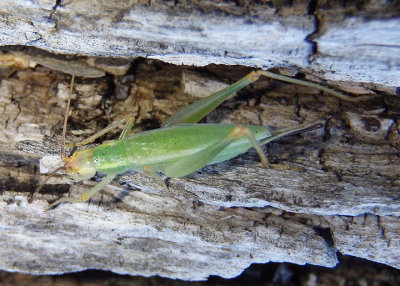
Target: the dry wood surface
pixel 341 193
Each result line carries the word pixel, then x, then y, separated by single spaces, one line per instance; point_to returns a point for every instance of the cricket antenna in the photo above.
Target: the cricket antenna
pixel 40 187
pixel 64 133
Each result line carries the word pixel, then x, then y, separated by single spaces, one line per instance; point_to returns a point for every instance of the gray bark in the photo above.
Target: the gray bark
pixel 341 193
pixel 361 48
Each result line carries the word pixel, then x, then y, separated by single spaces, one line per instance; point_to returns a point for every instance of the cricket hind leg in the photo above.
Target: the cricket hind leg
pixel 194 162
pixel 328 90
pixel 257 146
pixel 199 109
pixel 291 131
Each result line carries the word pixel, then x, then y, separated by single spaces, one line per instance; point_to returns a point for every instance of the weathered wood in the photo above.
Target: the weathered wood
pixel 368 236
pixel 342 195
pixel 340 42
pixel 149 232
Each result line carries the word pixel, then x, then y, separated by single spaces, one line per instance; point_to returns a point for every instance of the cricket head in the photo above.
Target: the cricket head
pixel 80 166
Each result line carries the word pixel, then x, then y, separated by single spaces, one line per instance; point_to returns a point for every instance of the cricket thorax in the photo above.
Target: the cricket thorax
pixel 111 158
pixel 80 166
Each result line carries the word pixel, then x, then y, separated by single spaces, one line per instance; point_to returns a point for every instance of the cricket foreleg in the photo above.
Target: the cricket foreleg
pixel 129 121
pixel 86 196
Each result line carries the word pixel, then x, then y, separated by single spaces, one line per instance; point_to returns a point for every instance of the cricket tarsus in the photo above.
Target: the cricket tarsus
pixel 180 146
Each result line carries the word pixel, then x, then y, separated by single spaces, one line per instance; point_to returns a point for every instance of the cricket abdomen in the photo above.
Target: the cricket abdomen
pixel 160 147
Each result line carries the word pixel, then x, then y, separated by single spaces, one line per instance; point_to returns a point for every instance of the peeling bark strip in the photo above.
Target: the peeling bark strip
pixel 316 35
pixel 151 236
pixel 368 236
pixel 343 197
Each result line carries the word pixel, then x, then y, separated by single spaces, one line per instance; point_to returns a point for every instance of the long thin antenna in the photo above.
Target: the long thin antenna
pixel 64 133
pixel 39 188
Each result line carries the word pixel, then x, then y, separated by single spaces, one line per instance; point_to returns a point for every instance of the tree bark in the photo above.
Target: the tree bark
pixel 341 192
pixel 352 42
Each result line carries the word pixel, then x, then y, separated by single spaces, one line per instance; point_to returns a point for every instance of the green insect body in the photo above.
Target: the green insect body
pixel 180 146
pixel 161 148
